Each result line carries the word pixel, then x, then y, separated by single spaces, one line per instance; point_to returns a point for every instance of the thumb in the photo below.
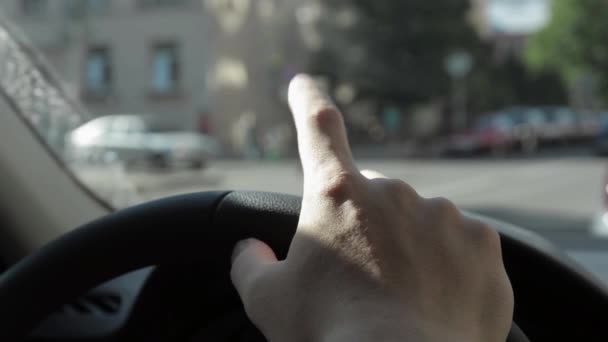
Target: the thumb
pixel 251 259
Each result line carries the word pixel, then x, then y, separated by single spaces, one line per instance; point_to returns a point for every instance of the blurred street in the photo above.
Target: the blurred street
pixel 556 194
pixel 494 114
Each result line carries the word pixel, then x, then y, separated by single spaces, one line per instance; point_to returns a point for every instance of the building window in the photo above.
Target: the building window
pixel 161 3
pixel 98 71
pixel 97 6
pixel 34 7
pixel 79 9
pixel 165 68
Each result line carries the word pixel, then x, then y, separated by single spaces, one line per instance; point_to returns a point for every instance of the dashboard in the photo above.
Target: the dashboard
pixel 186 302
pixel 100 314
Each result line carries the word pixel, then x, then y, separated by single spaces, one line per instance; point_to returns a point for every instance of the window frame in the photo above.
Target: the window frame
pixel 92 10
pixel 28 9
pixel 108 72
pixel 162 4
pixel 176 67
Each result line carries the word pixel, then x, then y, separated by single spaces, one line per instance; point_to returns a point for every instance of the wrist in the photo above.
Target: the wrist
pixel 356 333
pixel 394 330
pixel 368 327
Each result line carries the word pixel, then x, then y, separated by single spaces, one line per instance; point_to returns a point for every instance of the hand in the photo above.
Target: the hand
pixel 371 260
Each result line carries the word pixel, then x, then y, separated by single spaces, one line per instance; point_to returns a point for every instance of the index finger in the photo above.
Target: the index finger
pixel 322 140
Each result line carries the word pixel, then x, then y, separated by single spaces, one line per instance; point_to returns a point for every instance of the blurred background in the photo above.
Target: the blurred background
pixel 499 105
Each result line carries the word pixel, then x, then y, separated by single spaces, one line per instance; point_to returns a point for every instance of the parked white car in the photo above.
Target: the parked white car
pixel 139 140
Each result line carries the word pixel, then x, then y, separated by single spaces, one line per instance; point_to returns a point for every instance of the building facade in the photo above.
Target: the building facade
pixel 123 56
pixel 209 65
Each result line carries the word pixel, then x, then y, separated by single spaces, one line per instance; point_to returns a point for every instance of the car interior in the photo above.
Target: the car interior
pixel 76 269
pixel 159 271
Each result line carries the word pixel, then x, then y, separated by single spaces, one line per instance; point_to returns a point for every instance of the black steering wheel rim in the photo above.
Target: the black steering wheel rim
pixel 182 229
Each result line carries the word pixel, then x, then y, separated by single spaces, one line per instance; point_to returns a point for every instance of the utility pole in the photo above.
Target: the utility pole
pixel 458 65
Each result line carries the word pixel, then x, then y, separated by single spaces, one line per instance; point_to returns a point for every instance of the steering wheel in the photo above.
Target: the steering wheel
pixel 554 299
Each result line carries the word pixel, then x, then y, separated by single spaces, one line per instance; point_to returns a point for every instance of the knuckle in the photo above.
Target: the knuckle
pixel 444 207
pixel 400 188
pixel 326 117
pixel 340 186
pixel 486 237
pixel 397 191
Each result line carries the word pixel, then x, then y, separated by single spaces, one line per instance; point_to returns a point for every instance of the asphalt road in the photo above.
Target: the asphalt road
pixel 552 194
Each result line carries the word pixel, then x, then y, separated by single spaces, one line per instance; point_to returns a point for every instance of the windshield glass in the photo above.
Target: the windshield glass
pixel 498 105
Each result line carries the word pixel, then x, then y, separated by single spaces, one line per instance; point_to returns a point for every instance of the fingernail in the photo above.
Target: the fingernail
pixel 239 247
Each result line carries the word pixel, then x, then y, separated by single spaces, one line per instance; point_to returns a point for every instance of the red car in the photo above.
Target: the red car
pixel 494 133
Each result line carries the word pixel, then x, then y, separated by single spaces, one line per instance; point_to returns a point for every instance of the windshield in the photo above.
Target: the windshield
pixel 145 99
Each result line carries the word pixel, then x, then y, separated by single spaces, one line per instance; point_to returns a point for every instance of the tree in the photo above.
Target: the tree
pixel 394 53
pixel 574 42
pixel 394 50
pixel 509 83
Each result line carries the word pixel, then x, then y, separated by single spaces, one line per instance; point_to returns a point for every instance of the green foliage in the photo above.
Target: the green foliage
pixel 494 86
pixel 574 43
pixel 395 55
pixel 396 49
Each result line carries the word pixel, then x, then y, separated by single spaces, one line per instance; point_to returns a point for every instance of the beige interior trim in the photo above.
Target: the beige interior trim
pixel 38 199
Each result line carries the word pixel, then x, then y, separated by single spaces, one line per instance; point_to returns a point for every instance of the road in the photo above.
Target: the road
pixel 549 194
pixel 554 195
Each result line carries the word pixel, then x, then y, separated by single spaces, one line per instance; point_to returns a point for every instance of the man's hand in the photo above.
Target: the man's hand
pixel 371 260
